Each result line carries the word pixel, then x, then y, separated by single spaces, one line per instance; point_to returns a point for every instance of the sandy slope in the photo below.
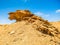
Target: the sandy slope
pixel 23 33
pixel 29 30
pixel 56 24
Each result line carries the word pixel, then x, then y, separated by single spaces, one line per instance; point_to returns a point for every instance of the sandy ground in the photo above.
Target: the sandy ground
pixel 22 33
pixel 56 24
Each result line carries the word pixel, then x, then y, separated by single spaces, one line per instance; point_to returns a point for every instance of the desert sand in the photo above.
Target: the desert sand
pixel 30 31
pixel 56 24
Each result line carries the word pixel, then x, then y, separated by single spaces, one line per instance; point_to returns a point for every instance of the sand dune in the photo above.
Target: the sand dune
pixel 23 33
pixel 31 31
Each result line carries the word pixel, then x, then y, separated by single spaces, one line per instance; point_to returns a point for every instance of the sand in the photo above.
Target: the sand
pixel 29 29
pixel 23 33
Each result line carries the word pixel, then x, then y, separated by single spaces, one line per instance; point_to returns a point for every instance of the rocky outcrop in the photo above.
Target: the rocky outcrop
pixel 42 25
pixel 28 29
pixel 19 15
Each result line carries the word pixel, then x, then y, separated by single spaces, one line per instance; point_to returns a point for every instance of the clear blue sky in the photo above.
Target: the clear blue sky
pixel 48 9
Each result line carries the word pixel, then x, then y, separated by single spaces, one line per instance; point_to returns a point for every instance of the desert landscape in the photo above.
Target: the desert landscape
pixel 29 29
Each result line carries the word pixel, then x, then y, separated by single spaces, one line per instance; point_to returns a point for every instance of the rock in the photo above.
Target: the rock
pixel 28 29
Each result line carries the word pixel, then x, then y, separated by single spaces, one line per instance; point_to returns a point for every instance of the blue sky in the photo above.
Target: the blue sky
pixel 48 9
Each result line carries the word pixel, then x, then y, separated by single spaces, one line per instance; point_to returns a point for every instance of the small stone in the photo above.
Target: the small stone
pixel 51 39
pixel 15 39
pixel 12 32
